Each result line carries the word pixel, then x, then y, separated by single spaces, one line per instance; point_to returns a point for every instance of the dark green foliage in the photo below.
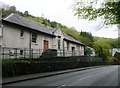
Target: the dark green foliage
pixel 12 9
pixel 109 11
pixel 21 67
pixel 115 43
pixel 118 42
pixel 8 66
pixel 102 49
pixel 72 32
pixel 54 24
pixel 112 10
pixel 87 34
pixel 46 22
pixel 87 38
pixel 26 13
pixel 88 51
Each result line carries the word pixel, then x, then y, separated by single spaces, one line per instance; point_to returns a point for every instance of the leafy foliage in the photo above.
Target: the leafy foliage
pixel 117 55
pixel 108 10
pixel 11 68
pixel 102 49
pixel 87 38
pixel 72 32
pixel 88 51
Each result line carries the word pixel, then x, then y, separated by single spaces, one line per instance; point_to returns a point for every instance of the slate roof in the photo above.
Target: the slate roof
pixel 69 38
pixel 16 19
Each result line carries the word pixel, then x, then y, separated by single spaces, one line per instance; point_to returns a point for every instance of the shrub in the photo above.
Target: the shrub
pixel 117 55
pixel 21 67
pixel 8 68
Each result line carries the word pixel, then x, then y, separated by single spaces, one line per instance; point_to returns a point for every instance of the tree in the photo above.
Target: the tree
pixel 26 13
pixel 114 43
pixel 117 55
pixel 86 38
pixel 91 9
pixel 6 12
pixel 12 9
pixel 88 52
pixel 102 49
pixel 46 22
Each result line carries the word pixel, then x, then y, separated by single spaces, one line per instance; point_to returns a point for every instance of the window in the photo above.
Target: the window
pixel 34 37
pixel 68 45
pixel 59 40
pixel 21 52
pixel 21 33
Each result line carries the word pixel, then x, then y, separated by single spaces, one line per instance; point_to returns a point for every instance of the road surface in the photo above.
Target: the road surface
pixel 103 76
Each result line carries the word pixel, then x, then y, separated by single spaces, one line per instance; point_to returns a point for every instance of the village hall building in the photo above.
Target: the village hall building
pixel 20 36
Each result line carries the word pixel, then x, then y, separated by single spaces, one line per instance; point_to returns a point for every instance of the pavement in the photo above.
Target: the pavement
pixel 107 76
pixel 41 75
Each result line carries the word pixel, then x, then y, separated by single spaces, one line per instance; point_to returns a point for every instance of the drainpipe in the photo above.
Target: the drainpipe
pixel 63 49
pixel 30 36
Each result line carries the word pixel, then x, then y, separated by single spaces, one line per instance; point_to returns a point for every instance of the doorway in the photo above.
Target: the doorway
pixel 46 45
pixel 73 51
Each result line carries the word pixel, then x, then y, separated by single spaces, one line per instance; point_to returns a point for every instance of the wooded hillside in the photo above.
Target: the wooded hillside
pixel 82 36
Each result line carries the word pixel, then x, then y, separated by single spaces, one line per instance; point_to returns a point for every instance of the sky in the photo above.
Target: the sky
pixel 60 11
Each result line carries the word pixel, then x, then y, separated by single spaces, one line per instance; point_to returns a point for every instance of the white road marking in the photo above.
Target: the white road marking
pixel 64 85
pixel 90 76
pixel 85 77
pixel 61 86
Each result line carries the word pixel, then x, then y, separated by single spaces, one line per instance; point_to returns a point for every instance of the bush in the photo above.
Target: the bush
pixel 16 68
pixel 117 55
pixel 21 67
pixel 8 68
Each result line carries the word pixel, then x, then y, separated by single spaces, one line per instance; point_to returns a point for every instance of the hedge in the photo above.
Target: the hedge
pixel 12 68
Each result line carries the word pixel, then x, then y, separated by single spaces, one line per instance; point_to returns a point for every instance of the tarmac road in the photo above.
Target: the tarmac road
pixel 102 76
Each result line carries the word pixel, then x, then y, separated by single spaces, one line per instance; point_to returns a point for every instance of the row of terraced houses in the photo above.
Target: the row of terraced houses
pixel 22 37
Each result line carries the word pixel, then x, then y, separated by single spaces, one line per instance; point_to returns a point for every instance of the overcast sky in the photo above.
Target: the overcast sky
pixel 60 11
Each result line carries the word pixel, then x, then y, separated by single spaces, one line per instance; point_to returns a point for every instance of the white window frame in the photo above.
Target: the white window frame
pixel 34 38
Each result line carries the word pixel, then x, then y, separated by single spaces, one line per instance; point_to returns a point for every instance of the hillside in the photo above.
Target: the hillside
pixel 80 36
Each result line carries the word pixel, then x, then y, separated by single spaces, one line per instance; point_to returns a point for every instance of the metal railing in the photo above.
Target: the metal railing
pixel 15 53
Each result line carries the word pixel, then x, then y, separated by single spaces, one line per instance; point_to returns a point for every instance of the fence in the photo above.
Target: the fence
pixel 7 53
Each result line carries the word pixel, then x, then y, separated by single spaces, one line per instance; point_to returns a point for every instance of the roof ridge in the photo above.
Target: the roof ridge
pixel 8 16
pixel 28 19
pixel 23 21
pixel 24 18
pixel 71 37
pixel 34 21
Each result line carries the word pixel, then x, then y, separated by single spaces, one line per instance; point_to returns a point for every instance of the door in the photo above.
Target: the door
pixel 73 51
pixel 46 45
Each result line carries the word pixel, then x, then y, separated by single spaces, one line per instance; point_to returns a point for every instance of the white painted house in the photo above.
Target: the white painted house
pixel 24 35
